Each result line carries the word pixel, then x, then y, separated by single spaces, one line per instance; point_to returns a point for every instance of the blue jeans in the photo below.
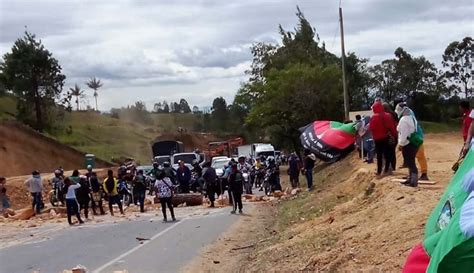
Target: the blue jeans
pixel 309 178
pixel 141 199
pixel 369 149
pixel 37 201
pixel 5 201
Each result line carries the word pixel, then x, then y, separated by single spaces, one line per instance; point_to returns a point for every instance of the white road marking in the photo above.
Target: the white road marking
pixel 118 258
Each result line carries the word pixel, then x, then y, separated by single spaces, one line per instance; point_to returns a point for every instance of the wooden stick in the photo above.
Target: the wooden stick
pixel 251 245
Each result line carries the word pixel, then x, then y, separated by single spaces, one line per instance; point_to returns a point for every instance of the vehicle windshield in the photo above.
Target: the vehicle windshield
pixel 162 159
pixel 187 158
pixel 266 154
pixel 220 164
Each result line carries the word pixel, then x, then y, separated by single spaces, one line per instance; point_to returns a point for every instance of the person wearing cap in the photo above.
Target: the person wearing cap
pixel 35 186
pixel 139 187
pixel 406 127
pixel 183 175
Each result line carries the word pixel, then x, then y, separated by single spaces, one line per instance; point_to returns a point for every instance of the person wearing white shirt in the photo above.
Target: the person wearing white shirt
pixel 71 202
pixel 406 127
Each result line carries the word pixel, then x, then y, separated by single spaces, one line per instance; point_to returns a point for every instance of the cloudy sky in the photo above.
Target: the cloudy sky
pixel 154 50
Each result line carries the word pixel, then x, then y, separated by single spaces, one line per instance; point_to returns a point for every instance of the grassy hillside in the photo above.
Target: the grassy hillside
pixel 110 138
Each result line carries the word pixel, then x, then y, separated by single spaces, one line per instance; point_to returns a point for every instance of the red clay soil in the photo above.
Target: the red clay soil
pixel 192 141
pixel 23 150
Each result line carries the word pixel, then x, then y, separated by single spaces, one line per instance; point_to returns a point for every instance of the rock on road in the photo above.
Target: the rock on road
pixel 114 246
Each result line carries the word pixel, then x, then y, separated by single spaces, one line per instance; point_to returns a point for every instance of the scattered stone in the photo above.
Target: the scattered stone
pixel 216 262
pixel 400 198
pixel 278 194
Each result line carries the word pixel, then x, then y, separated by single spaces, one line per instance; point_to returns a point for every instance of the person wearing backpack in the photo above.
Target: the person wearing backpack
pixel 140 188
pixel 96 193
pixel 83 195
pixel 164 192
pixel 409 141
pixel 236 188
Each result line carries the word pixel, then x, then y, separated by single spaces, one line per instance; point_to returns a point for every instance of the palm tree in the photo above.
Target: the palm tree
pixel 95 84
pixel 78 93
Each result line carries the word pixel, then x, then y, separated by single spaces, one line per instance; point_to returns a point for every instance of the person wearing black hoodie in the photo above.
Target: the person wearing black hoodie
pixel 83 195
pixel 96 193
pixel 140 188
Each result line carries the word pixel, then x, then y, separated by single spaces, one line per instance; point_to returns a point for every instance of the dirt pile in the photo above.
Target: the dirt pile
pixel 192 141
pixel 354 221
pixel 23 150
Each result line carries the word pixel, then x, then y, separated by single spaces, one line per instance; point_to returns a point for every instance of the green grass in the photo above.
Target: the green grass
pixel 439 127
pixel 111 138
pixel 7 107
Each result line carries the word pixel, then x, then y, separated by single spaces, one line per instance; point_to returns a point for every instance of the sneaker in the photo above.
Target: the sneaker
pixel 403 166
pixel 81 222
pixel 165 220
pixel 174 219
pixel 240 211
pixel 424 177
pixel 232 212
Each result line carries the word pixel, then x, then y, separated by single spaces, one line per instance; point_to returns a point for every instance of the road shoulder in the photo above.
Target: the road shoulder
pixel 232 249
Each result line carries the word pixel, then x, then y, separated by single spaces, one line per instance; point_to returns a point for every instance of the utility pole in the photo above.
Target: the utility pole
pixel 343 58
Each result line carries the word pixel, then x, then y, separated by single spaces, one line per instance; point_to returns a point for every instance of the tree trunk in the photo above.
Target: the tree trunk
pixel 96 107
pixel 37 100
pixel 77 103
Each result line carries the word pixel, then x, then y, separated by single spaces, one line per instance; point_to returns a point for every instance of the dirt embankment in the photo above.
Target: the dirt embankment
pixel 23 150
pixel 192 141
pixel 352 222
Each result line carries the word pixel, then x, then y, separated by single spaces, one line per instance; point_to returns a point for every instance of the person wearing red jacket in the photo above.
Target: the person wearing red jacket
pixel 384 132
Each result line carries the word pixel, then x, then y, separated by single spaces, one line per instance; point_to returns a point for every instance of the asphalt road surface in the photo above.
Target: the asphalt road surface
pixel 109 247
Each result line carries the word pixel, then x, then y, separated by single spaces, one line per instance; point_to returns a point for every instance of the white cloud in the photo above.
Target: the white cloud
pixel 153 50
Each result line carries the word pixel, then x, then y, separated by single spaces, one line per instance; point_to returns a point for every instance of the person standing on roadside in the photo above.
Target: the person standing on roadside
pixel 384 132
pixel 96 193
pixel 309 162
pixel 184 176
pixel 35 186
pixel 467 118
pixel 164 192
pixel 420 155
pixel 75 177
pixel 139 186
pixel 210 182
pixel 294 167
pixel 469 143
pixel 236 188
pixel 72 207
pixel 4 201
pixel 110 187
pixel 83 195
pixel 406 128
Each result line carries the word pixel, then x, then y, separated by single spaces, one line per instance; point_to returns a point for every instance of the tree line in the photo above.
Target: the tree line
pixel 289 85
pixel 298 81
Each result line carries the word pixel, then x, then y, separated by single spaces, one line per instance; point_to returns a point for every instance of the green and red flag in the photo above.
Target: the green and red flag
pixel 448 244
pixel 328 140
